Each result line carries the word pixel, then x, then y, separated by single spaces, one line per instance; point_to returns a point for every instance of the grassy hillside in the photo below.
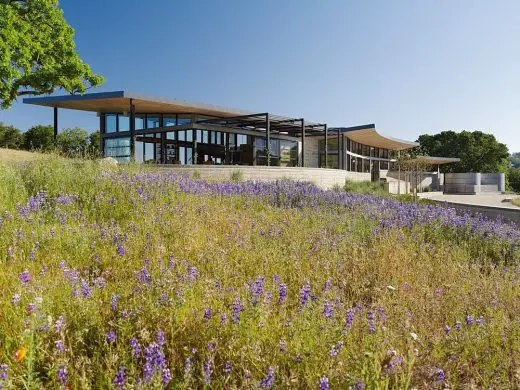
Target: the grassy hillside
pixel 127 277
pixel 12 155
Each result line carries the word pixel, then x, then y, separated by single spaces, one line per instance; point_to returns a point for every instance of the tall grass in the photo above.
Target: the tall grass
pixel 123 278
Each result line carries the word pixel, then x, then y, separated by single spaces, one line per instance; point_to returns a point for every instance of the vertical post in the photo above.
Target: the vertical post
pixel 339 154
pixel 132 130
pixel 326 146
pixel 194 153
pixel 303 143
pixel 398 172
pixel 55 125
pixel 268 136
pixel 101 134
pixel 226 149
pixel 163 140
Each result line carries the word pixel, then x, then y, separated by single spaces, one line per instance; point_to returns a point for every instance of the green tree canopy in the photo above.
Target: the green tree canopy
pixel 73 142
pixel 478 151
pixel 37 52
pixel 39 138
pixel 94 144
pixel 514 159
pixel 10 137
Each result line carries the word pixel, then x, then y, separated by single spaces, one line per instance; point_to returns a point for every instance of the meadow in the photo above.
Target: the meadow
pixel 128 277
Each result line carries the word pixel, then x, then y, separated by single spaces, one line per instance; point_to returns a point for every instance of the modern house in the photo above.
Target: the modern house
pixel 135 127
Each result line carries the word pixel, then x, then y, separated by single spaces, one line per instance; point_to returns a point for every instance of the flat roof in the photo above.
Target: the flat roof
pixel 369 135
pixel 119 102
pixel 432 160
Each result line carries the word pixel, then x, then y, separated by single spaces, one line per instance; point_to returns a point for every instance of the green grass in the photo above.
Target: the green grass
pixel 415 282
pixel 516 202
pixel 365 187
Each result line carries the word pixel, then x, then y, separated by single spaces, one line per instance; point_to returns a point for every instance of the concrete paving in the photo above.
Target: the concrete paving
pixel 483 199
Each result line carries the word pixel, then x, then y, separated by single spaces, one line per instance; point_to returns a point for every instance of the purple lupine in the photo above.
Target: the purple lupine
pixel 440 375
pixel 114 300
pixel 60 346
pixel 247 375
pixel 136 347
pixel 282 293
pixel 371 321
pixel 15 300
pixel 85 289
pixel 227 368
pixel 119 378
pixel 447 329
pixel 257 289
pixel 160 338
pixel 210 347
pixel 111 336
pixel 208 371
pixel 268 381
pixel 235 314
pixel 470 320
pixel 223 319
pixel 324 383
pixel 305 294
pixel 480 321
pixel 283 348
pixel 350 318
pixel 193 272
pixel 120 250
pixel 25 277
pixel 359 385
pixel 395 362
pixel 3 373
pixel 327 285
pixel 207 314
pixel 166 376
pixel 61 374
pixel 328 310
pixel 43 270
pixel 60 322
pixel 187 367
pixel 457 325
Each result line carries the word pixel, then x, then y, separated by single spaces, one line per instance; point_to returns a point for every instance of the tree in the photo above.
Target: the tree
pixel 73 142
pixel 94 144
pixel 478 151
pixel 514 159
pixel 37 52
pixel 10 137
pixel 39 138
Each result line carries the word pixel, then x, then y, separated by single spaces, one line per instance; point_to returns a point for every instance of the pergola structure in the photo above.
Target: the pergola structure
pixel 213 118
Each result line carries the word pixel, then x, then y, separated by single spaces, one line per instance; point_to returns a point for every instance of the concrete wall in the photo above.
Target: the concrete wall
pixel 311 152
pixel 324 178
pixel 429 181
pixel 473 183
pixel 507 214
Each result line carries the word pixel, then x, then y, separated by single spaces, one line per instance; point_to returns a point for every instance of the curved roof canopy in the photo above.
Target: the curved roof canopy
pixel 371 137
pixel 119 102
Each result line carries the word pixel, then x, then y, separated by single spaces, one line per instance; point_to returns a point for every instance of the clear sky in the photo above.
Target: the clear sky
pixel 410 67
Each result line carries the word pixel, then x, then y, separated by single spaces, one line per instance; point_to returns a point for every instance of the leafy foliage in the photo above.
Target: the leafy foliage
pixel 39 138
pixel 10 137
pixel 513 179
pixel 37 52
pixel 94 143
pixel 514 159
pixel 478 151
pixel 73 142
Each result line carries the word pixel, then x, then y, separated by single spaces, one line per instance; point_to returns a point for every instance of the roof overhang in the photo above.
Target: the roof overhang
pixel 119 102
pixel 430 160
pixel 371 137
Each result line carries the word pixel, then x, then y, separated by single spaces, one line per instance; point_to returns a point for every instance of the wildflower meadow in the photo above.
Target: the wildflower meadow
pixel 129 277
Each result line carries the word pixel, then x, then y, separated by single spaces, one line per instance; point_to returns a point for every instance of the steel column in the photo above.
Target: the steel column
pixel 326 147
pixel 163 140
pixel 101 132
pixel 303 143
pixel 268 132
pixel 339 149
pixel 132 130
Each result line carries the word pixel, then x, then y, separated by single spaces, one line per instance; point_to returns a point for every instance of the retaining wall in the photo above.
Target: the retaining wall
pixel 324 178
pixel 492 212
pixel 473 183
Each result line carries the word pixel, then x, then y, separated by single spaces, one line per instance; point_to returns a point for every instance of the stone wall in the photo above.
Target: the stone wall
pixel 324 178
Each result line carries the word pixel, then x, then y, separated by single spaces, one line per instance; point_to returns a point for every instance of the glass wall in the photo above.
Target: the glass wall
pixel 118 148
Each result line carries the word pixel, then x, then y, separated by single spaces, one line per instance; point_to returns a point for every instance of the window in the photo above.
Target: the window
pixel 181 135
pixel 152 122
pixel 149 151
pixel 119 148
pixel 139 122
pixel 184 119
pixel 288 153
pixel 170 135
pixel 170 121
pixel 189 135
pixel 110 123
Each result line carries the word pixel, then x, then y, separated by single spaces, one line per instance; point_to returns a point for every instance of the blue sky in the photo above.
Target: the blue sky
pixel 411 67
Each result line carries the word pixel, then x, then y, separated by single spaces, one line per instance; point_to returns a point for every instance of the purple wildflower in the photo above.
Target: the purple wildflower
pixel 447 329
pixel 187 367
pixel 282 293
pixel 268 381
pixel 60 346
pixel 235 315
pixel 371 321
pixel 223 319
pixel 3 372
pixel 60 322
pixel 305 294
pixel 15 300
pixel 160 338
pixel 327 285
pixel 299 358
pixel 470 320
pixel 457 325
pixel 207 314
pixel 208 371
pixel 120 250
pixel 25 277
pixel 136 347
pixel 119 378
pixel 359 385
pixel 113 301
pixel 111 336
pixel 192 274
pixel 85 289
pixel 349 319
pixel 480 321
pixel 440 375
pixel 166 376
pixel 283 348
pixel 227 368
pixel 328 310
pixel 324 383
pixel 43 270
pixel 257 289
pixel 61 374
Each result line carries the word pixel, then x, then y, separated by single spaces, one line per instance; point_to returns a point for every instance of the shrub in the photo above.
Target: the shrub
pixel 365 187
pixel 237 176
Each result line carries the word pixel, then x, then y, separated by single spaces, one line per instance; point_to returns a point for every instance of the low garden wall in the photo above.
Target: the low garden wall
pixel 324 178
pixel 473 183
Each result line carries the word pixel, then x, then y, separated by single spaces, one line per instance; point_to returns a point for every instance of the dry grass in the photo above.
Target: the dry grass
pixel 10 155
pixel 516 202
